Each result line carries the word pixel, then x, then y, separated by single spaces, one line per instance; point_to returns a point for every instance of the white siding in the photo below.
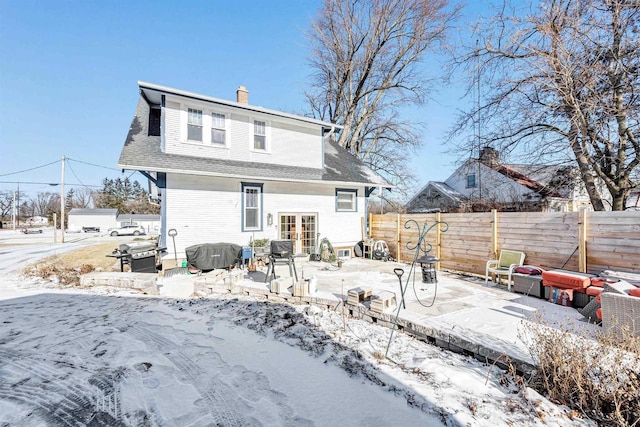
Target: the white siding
pixel 289 142
pixel 208 210
pixel 495 186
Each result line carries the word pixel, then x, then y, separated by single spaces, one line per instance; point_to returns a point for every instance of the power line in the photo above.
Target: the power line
pixel 93 164
pixel 53 184
pixel 74 174
pixel 34 168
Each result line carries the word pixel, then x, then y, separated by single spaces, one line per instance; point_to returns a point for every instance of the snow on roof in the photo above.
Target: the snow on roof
pixel 79 211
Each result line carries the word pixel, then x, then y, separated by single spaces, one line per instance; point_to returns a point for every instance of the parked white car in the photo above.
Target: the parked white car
pixel 127 230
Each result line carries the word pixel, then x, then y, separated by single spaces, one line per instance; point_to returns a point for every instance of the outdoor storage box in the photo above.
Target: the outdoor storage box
pixel 528 284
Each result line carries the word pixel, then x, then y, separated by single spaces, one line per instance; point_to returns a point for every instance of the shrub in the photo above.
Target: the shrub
pixel 259 243
pixel 600 378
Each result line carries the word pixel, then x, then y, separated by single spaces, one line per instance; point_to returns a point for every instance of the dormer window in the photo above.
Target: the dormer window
pixel 259 135
pixel 218 129
pixel 194 125
pixel 155 115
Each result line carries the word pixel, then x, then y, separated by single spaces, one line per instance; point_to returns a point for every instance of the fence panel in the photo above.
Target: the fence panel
pixel 549 239
pixel 613 241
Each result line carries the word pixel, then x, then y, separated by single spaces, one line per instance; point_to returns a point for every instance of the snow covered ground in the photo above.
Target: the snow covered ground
pixel 108 357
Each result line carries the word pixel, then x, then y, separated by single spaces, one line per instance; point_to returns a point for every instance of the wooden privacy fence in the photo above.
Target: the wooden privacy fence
pixel 580 241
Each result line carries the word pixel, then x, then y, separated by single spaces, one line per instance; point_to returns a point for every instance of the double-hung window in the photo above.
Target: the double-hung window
pixel 194 125
pixel 218 129
pixel 251 207
pixel 259 135
pixel 346 200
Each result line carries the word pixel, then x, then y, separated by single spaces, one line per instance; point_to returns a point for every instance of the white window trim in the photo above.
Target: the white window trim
pixel 353 193
pixel 207 125
pixel 253 186
pixel 267 135
pixel 202 115
pixel 226 129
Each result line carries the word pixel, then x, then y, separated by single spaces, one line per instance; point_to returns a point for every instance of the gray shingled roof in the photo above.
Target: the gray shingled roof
pixel 448 192
pixel 78 211
pixel 139 217
pixel 142 152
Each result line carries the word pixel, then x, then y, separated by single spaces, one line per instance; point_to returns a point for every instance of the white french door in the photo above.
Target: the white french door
pixel 302 228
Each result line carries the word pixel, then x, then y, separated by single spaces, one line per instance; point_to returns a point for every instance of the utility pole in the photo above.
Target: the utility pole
pixel 62 201
pixel 18 206
pixel 13 211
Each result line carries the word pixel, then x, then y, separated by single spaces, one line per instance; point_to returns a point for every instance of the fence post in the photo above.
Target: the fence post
pixel 438 239
pixel 494 233
pixel 582 240
pixel 398 247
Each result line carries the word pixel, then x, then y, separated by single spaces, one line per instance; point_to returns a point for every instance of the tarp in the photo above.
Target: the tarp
pixel 209 256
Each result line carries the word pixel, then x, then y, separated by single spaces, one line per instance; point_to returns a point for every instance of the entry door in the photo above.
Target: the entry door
pixel 302 228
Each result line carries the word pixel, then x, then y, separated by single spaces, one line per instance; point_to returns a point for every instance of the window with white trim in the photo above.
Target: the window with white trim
pixel 346 200
pixel 218 129
pixel 259 135
pixel 251 207
pixel 194 125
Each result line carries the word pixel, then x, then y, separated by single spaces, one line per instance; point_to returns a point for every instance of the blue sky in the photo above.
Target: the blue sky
pixel 69 72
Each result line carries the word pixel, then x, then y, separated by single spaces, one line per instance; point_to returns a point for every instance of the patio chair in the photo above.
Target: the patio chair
pixel 281 254
pixel 504 266
pixel 620 311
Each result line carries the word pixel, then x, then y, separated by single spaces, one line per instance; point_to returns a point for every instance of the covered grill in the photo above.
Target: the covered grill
pixel 141 256
pixel 210 256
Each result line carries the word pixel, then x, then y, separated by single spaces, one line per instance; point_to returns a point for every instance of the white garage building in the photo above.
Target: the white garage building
pixel 92 218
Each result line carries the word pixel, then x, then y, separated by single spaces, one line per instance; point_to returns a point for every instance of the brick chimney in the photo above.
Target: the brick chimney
pixel 242 95
pixel 490 156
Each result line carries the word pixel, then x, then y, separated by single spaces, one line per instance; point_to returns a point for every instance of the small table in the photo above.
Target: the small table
pixel 367 248
pixel 427 264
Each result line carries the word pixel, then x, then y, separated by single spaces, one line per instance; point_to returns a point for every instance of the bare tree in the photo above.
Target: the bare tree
pixel 45 203
pixel 365 56
pixel 82 198
pixel 6 203
pixel 562 82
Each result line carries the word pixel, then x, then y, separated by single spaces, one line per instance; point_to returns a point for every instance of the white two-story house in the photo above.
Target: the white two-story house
pixel 231 172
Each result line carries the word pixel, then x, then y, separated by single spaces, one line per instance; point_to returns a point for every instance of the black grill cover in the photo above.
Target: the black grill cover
pixel 282 248
pixel 209 256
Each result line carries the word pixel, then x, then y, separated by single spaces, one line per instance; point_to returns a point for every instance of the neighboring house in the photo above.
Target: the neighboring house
pixel 231 172
pixel 37 220
pixel 91 218
pixel 150 222
pixel 485 183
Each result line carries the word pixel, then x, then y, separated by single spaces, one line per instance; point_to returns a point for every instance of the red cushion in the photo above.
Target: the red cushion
pixel 635 292
pixel 600 282
pixel 599 313
pixel 593 291
pixel 564 280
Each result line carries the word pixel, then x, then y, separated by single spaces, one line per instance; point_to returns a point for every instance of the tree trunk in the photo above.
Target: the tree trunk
pixel 585 171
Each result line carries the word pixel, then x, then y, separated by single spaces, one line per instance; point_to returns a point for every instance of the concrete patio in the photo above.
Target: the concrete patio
pixel 458 312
